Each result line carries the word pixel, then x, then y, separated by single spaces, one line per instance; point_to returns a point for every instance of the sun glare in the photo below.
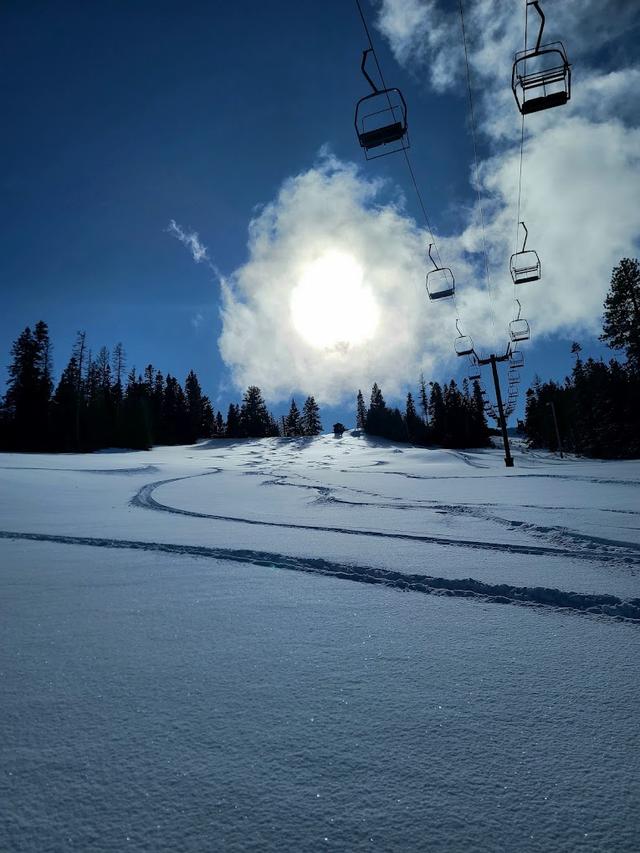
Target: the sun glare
pixel 331 306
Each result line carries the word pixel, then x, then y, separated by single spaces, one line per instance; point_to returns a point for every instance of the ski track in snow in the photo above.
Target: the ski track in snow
pixel 566 542
pixel 542 597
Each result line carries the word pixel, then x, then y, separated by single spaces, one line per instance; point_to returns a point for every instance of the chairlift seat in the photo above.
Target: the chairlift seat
pixel 513 376
pixel 382 135
pixel 525 266
pixel 516 360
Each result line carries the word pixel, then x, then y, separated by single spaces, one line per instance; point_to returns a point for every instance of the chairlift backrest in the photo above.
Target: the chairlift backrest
pixel 381 118
pixel 541 76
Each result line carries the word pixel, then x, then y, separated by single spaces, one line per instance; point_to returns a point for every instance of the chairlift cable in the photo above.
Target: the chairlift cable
pixel 406 155
pixel 475 157
pixel 526 34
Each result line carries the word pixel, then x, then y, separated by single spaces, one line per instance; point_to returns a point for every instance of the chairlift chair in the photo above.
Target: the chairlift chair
pixel 516 359
pixel 541 76
pixel 525 265
pixel 381 118
pixel 463 344
pixel 474 374
pixel 519 329
pixel 513 375
pixel 440 280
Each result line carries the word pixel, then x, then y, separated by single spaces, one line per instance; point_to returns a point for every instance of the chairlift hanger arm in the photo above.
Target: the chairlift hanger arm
pixel 526 237
pixel 365 53
pixel 536 5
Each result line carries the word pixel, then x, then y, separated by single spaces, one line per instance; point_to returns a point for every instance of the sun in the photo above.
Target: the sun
pixel 331 306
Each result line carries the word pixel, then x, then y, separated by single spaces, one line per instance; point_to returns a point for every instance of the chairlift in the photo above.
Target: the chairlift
pixel 541 76
pixel 525 265
pixel 516 359
pixel 513 375
pixel 381 118
pixel 463 344
pixel 519 329
pixel 440 281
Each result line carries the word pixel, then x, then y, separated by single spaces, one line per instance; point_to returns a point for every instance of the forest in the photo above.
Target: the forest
pixel 598 406
pixel 98 404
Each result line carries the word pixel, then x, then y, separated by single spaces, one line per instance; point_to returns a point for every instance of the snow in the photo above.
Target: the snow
pixel 187 662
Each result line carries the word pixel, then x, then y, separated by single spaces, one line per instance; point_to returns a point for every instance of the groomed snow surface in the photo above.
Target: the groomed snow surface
pixel 315 644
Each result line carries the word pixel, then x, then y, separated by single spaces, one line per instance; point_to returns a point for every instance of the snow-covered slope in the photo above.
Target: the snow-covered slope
pixel 188 663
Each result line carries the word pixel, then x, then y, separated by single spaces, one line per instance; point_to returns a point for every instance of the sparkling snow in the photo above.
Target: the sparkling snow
pixel 187 663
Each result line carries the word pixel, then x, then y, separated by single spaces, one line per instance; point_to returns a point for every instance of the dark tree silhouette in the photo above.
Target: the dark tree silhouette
pixel 311 423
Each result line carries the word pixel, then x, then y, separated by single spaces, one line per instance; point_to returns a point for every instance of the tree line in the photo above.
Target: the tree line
pixel 598 405
pixel 98 404
pixel 446 415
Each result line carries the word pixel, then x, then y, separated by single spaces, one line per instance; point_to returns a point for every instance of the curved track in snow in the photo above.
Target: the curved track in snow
pixel 542 597
pixel 592 548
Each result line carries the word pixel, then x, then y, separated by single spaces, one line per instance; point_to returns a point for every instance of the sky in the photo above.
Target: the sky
pixel 186 178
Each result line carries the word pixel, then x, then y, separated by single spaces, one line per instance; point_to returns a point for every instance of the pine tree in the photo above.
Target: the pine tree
pixel 424 399
pixel 220 425
pixel 194 407
pixel 311 423
pixel 361 411
pixel 233 426
pixel 293 424
pixel 22 390
pixel 415 428
pixel 208 422
pixel 376 420
pixel 437 415
pixel 621 323
pixel 254 418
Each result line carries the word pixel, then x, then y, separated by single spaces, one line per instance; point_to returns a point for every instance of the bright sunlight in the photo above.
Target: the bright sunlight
pixel 331 306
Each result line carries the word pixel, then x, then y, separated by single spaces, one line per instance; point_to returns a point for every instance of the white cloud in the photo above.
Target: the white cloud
pixel 190 240
pixel 330 209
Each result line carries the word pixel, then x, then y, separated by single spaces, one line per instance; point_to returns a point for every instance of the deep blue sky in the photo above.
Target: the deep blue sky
pixel 121 116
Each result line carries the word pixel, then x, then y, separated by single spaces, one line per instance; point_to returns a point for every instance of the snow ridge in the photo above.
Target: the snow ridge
pixel 582 603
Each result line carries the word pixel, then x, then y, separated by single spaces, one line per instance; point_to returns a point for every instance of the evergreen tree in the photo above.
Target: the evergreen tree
pixel 424 399
pixel 175 419
pixel 194 407
pixel 311 423
pixel 377 414
pixel 415 427
pixel 621 323
pixel 220 425
pixel 361 412
pixel 208 422
pixel 254 418
pixel 22 391
pixel 480 428
pixel 233 426
pixel 64 408
pixel 437 415
pixel 293 423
